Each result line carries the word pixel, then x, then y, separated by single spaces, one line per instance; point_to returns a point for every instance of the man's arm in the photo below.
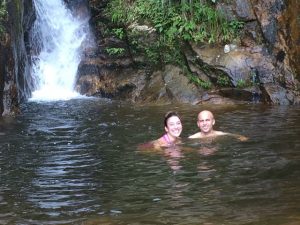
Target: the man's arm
pixel 238 136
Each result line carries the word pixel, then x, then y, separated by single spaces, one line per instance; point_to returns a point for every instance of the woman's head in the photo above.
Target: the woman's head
pixel 173 124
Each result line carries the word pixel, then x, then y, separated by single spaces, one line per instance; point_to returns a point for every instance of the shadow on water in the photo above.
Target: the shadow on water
pixel 77 162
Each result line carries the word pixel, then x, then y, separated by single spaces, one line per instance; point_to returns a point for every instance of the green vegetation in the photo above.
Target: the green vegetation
pixel 223 81
pixel 175 22
pixel 242 84
pixel 187 20
pixel 252 80
pixel 119 32
pixel 152 53
pixel 201 83
pixel 115 51
pixel 3 15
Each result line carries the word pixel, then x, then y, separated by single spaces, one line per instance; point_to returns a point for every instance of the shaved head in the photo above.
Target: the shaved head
pixel 205 113
pixel 205 122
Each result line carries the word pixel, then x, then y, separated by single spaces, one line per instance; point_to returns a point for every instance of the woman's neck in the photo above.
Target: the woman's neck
pixel 169 139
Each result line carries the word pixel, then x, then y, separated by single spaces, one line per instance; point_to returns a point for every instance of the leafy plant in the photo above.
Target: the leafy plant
pixel 117 11
pixel 3 15
pixel 115 51
pixel 241 83
pixel 174 21
pixel 223 81
pixel 236 25
pixel 152 54
pixel 119 32
pixel 201 83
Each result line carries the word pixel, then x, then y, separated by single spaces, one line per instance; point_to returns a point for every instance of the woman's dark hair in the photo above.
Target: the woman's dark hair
pixel 168 115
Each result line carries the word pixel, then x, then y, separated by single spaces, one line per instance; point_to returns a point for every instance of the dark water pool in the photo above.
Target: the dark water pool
pixel 77 162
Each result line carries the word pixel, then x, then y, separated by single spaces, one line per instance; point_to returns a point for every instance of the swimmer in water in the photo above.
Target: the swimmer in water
pixel 205 123
pixel 173 129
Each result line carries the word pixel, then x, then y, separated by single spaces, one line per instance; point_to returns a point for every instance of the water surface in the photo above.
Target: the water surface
pixel 77 162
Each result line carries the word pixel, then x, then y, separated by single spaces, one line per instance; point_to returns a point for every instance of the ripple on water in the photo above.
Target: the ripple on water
pixel 81 165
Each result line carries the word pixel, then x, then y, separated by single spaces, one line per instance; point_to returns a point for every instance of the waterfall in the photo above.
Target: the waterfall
pixel 56 37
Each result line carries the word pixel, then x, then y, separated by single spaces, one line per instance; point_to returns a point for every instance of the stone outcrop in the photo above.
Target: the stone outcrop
pixel 261 66
pixel 15 78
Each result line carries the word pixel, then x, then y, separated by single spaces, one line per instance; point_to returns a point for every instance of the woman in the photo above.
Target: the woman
pixel 173 129
pixel 166 144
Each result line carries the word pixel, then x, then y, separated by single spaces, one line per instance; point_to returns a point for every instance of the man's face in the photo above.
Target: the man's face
pixel 174 126
pixel 205 122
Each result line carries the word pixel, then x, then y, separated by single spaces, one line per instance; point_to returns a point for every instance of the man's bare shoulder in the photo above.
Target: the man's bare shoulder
pixel 212 134
pixel 219 133
pixel 196 135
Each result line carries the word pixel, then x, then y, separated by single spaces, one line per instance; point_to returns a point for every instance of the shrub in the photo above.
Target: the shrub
pixel 115 51
pixel 3 15
pixel 201 83
pixel 223 81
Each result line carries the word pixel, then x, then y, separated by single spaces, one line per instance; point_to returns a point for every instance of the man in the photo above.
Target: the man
pixel 206 122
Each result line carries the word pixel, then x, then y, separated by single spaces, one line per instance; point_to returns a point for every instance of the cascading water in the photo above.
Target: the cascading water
pixel 57 36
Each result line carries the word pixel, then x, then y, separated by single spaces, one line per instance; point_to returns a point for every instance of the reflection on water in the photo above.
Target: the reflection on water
pixel 77 162
pixel 173 155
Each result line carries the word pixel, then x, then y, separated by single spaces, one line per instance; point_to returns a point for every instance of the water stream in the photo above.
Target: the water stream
pixel 77 162
pixel 58 36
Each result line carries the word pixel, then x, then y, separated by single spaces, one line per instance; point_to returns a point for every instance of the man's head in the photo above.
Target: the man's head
pixel 206 121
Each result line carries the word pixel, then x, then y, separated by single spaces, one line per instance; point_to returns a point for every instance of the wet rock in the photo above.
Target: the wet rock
pixel 244 10
pixel 179 86
pixel 237 9
pixel 251 94
pixel 258 65
pixel 251 35
pixel 267 12
pixel 248 67
pixel 277 94
pixel 154 90
pixel 169 85
pixel 217 99
pixel 89 85
pixel 15 78
pixel 289 35
pixel 229 47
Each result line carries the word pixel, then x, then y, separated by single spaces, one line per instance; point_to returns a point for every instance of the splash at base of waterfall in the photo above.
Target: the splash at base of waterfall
pixel 59 37
pixel 54 94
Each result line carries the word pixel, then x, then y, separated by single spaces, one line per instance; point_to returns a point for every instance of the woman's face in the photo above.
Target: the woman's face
pixel 174 126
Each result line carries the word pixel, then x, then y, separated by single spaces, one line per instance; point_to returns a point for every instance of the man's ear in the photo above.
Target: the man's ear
pixel 213 122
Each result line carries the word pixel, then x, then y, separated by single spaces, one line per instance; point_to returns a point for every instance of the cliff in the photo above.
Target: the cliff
pixel 262 65
pixel 15 78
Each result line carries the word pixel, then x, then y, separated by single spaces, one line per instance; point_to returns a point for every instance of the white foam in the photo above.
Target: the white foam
pixel 59 35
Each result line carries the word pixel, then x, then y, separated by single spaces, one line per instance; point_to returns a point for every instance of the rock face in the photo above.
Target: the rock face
pixel 289 35
pixel 262 66
pixel 15 79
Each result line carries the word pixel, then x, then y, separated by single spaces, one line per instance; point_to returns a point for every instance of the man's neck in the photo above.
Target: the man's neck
pixel 207 134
